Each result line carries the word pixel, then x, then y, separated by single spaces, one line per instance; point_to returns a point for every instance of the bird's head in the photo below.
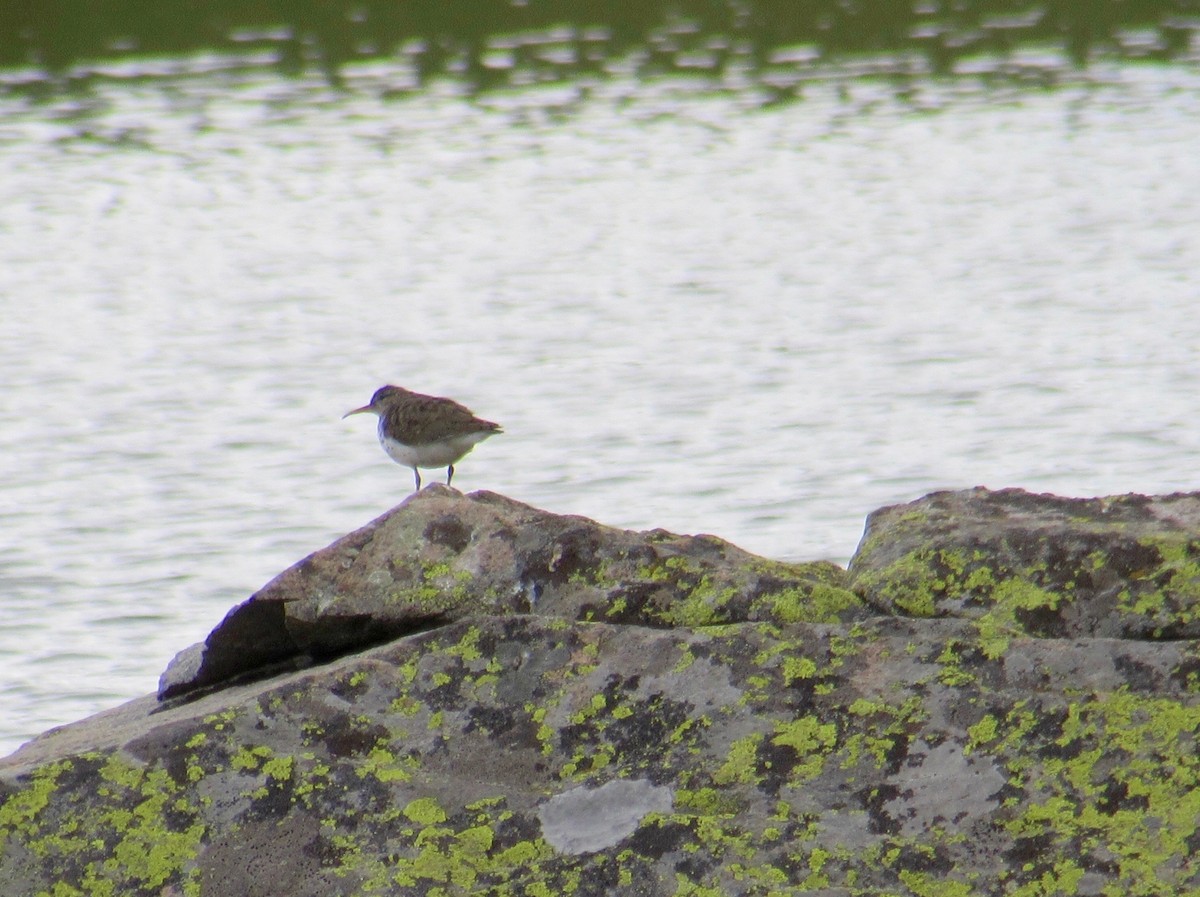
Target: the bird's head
pixel 378 401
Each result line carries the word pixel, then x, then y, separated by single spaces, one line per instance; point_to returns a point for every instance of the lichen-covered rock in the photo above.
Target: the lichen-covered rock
pixel 1126 566
pixel 441 556
pixel 564 752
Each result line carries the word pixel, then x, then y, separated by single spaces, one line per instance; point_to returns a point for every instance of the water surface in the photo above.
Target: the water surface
pixel 687 308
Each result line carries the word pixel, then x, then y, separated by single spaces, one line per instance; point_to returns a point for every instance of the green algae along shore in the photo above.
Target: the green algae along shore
pixel 1001 696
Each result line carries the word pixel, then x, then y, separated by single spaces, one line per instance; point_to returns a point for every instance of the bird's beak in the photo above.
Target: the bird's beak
pixel 363 410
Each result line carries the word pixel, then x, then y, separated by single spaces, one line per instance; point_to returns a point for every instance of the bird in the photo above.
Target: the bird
pixel 417 430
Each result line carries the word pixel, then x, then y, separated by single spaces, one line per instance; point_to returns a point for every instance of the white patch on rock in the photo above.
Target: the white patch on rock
pixel 943 786
pixel 584 820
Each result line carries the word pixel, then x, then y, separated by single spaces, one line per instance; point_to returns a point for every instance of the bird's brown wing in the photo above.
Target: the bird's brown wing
pixel 426 419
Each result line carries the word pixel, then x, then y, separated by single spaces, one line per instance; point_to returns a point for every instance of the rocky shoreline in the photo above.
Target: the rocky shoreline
pixel 1001 695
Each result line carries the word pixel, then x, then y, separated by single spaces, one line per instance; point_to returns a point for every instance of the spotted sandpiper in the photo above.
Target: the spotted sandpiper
pixel 425 431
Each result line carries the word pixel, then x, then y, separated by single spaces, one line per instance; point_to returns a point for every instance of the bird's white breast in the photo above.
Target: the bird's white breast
pixel 432 454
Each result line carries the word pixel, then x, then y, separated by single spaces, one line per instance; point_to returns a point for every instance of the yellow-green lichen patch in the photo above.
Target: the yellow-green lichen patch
pixel 913 583
pixel 223 720
pixel 1167 595
pixel 996 633
pixel 799 668
pixel 811 739
pixel 312 778
pixel 884 731
pixel 544 733
pixel 709 802
pixel 592 728
pixel 704 594
pixel 815 592
pixel 425 810
pixel 20 812
pixel 384 766
pixel 731 855
pixel 686 659
pixel 250 758
pixel 467 647
pixel 1115 775
pixel 847 644
pixel 981 733
pixel 702 606
pixel 439 850
pixel 699 597
pixel 953 672
pixel 741 762
pixel 923 884
pixel 816 603
pixel 439 587
pixel 121 827
pixel 955 581
pixel 1010 602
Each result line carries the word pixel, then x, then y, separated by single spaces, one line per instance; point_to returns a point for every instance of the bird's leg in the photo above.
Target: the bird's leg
pixel 449 474
pixel 417 474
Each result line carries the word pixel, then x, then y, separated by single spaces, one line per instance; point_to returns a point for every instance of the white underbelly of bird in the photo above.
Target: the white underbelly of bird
pixel 432 454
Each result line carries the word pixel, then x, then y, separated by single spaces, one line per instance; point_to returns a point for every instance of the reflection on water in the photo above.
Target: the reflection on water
pixel 687 309
pixel 511 43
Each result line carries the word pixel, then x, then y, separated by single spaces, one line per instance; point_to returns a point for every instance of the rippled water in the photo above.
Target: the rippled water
pixel 687 312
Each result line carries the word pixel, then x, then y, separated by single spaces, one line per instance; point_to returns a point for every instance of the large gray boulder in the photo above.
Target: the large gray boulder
pixel 1125 566
pixel 471 696
pixel 441 556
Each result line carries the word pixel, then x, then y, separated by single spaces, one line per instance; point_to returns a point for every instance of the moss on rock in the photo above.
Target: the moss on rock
pixel 700 722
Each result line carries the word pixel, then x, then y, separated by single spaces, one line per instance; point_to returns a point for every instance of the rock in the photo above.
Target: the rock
pixel 667 715
pixel 1120 567
pixel 441 556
